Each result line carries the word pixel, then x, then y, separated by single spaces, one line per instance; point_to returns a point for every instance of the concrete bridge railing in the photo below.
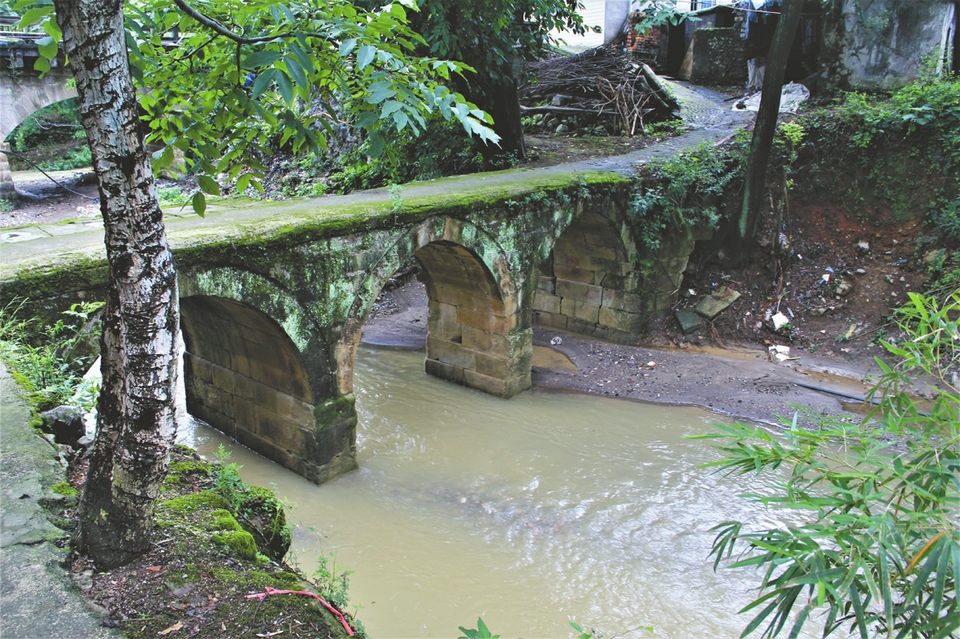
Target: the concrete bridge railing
pixel 274 296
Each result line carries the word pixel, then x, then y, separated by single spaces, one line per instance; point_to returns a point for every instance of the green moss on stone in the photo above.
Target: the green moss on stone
pixel 192 503
pixel 65 489
pixel 335 411
pixel 225 521
pixel 240 543
pixel 189 468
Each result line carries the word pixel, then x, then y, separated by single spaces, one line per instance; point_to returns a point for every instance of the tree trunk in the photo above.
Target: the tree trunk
pixel 766 125
pixel 135 425
pixel 502 101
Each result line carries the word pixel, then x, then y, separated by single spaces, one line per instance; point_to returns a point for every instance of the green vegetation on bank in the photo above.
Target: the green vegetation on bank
pixel 901 152
pixel 220 535
pixel 889 158
pixel 49 360
pixel 873 547
pixel 225 539
pixel 686 192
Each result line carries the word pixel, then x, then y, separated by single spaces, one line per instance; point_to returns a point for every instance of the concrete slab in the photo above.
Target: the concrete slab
pixel 22 234
pixel 74 226
pixel 714 304
pixel 689 321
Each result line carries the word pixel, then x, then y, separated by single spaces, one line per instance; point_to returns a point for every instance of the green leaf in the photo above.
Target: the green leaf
pixel 243 182
pixel 42 65
pixel 376 144
pixel 389 107
pixel 261 59
pixel 296 71
pixel 285 88
pixel 35 15
pixel 365 56
pixel 263 81
pixel 47 47
pixel 367 119
pixel 199 203
pixel 208 184
pixel 380 91
pixel 347 46
pixel 52 29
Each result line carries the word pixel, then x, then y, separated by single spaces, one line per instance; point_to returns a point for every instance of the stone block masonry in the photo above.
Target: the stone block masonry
pixel 597 284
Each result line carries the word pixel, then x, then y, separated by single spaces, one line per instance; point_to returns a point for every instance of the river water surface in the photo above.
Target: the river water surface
pixel 532 512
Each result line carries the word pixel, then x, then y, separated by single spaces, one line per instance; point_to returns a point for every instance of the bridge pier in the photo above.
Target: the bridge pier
pixel 246 376
pixel 7 189
pixel 475 337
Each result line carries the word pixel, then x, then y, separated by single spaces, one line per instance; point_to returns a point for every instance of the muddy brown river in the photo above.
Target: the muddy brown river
pixel 546 508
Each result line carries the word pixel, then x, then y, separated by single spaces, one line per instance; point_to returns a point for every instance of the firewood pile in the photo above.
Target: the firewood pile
pixel 601 82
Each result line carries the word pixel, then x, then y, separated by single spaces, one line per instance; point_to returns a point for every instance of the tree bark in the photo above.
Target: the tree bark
pixel 135 424
pixel 766 125
pixel 503 102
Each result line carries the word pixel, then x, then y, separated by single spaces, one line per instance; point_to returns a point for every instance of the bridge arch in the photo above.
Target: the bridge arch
pixel 478 334
pixel 22 94
pixel 256 369
pixel 589 283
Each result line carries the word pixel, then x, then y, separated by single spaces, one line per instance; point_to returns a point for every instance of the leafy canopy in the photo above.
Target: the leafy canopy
pixel 492 34
pixel 224 81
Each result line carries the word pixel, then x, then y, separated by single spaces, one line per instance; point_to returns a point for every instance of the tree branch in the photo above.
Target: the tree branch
pixel 216 27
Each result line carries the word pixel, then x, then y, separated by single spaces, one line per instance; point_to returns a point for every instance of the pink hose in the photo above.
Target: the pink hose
pixel 268 591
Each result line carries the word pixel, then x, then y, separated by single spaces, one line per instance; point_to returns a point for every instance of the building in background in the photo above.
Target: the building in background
pixel 850 44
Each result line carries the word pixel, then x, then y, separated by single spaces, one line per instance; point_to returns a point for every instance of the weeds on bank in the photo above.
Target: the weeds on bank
pixel 684 192
pixel 49 360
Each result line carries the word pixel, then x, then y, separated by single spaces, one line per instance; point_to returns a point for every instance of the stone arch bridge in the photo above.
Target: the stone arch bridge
pixel 23 92
pixel 274 298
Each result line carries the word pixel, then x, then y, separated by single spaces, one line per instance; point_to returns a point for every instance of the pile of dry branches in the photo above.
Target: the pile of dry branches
pixel 600 81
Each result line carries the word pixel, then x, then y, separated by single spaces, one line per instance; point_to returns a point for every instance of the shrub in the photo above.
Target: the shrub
pixel 685 191
pixel 876 149
pixel 875 545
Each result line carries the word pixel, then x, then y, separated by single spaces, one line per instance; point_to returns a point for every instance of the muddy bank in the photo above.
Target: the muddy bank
pixel 738 382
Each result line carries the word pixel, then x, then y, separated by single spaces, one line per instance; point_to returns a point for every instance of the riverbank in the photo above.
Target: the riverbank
pixel 739 382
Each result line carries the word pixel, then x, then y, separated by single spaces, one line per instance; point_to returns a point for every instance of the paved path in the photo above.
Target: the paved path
pixel 38 599
pixel 41 246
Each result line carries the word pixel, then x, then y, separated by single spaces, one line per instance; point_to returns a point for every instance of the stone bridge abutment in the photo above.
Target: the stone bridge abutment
pixel 22 93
